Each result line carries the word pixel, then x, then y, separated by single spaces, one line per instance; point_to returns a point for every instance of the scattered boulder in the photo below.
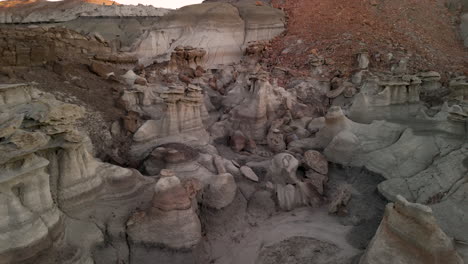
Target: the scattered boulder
pixel 249 173
pixel 238 141
pixel 275 141
pixel 340 200
pixel 317 180
pixel 316 161
pixel 363 60
pixel 100 69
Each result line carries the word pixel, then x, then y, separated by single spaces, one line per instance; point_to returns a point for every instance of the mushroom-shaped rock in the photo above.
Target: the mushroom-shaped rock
pixel 171 221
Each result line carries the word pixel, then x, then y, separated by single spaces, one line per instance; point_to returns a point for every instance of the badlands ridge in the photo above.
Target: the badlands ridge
pixel 133 134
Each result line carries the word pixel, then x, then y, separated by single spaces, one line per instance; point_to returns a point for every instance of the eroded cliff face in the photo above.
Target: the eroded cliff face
pixel 410 234
pixel 61 11
pixel 48 173
pixel 222 29
pixel 38 45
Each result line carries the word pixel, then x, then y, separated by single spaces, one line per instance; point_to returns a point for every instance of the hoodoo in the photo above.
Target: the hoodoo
pixel 234 132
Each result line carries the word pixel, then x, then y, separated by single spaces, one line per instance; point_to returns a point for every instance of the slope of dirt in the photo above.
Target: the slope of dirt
pixel 423 30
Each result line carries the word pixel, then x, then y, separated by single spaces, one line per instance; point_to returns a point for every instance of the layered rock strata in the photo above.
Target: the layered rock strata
pixel 178 114
pixel 46 12
pixel 46 170
pixel 409 233
pixel 39 45
pixel 291 190
pixel 257 109
pixel 408 159
pixel 223 30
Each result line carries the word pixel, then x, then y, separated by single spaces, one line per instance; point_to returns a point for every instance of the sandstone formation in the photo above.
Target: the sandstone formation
pixel 45 11
pixel 409 234
pixel 47 170
pixel 257 146
pixel 291 191
pixel 178 114
pixel 255 109
pixel 223 40
pixel 171 220
pixel 39 45
pixel 166 29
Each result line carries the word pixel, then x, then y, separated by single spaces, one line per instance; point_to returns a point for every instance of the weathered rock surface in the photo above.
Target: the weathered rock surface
pixel 249 173
pixel 424 168
pixel 257 106
pixel 171 221
pixel 178 114
pixel 220 192
pixel 221 29
pixel 409 234
pixel 213 173
pixel 291 191
pixel 46 169
pixel 153 33
pixel 316 161
pixel 44 11
pixel 40 45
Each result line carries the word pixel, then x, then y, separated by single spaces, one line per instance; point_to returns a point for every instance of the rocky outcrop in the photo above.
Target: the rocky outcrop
pixel 221 29
pixel 30 219
pixel 45 11
pixel 379 93
pixel 46 169
pixel 39 45
pixel 47 130
pixel 409 160
pixel 459 88
pixel 257 109
pixel 409 234
pixel 186 57
pixel 291 191
pixel 177 111
pixel 214 173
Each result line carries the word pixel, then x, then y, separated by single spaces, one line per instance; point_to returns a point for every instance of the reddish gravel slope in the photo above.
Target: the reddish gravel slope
pixel 423 30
